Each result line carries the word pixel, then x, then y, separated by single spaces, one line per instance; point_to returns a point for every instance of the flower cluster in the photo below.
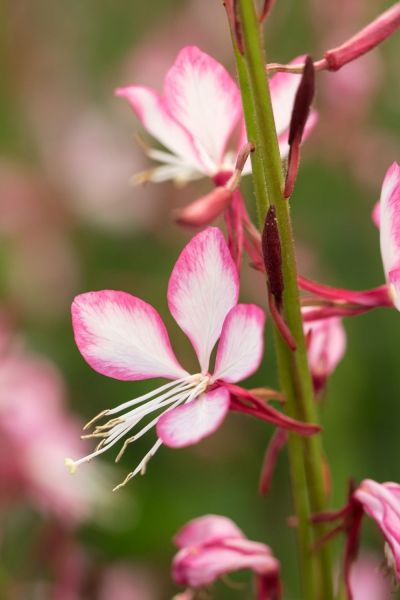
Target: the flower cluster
pixel 198 124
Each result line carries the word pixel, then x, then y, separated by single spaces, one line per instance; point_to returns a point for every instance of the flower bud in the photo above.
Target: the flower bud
pixel 366 39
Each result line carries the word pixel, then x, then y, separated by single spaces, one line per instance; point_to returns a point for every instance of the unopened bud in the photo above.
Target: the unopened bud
pixel 366 39
pixel 300 114
pixel 207 208
pixel 271 248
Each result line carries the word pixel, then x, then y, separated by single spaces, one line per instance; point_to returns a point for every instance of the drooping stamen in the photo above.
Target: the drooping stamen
pixel 167 397
pixel 141 466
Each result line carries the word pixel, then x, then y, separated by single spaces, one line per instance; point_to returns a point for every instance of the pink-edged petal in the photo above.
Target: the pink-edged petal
pixel 241 346
pixel 207 529
pixel 204 565
pixel 190 423
pixel 390 221
pixel 201 95
pixel 203 287
pixel 283 88
pixel 123 337
pixel 155 118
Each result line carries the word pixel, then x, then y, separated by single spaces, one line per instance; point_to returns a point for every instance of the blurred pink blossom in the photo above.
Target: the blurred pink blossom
pixel 127 582
pixel 36 432
pixel 212 546
pixel 41 269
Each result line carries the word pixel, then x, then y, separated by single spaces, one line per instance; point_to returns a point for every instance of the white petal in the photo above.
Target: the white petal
pixel 152 112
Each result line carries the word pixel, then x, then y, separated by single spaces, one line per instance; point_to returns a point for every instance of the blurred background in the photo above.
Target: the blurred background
pixel 70 222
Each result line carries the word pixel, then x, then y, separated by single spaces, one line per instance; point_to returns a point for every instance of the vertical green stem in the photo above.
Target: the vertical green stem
pixel 306 456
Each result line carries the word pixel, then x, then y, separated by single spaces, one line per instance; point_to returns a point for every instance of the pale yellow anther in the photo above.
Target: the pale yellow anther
pixel 71 465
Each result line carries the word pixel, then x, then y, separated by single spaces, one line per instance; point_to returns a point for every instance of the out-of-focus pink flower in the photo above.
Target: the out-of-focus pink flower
pixel 127 582
pixel 123 337
pixel 326 345
pixel 367 581
pixel 41 271
pixel 35 434
pixel 94 163
pixel 196 115
pixel 381 501
pixel 212 546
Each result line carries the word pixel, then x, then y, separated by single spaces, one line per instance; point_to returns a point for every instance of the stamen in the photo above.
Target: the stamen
pixel 173 393
pixel 141 466
pixel 150 394
pixel 103 413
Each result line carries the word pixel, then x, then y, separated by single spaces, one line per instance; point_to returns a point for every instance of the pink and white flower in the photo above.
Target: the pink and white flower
pixel 197 114
pixel 123 337
pixel 381 501
pixel 212 545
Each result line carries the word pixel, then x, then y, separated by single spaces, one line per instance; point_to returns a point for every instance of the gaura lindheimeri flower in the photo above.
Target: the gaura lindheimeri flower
pixel 326 345
pixel 212 546
pixel 123 337
pixel 196 115
pixel 381 501
pixel 386 215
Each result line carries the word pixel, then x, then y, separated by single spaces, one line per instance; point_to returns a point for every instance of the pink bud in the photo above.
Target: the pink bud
pixel 326 347
pixel 366 39
pixel 203 211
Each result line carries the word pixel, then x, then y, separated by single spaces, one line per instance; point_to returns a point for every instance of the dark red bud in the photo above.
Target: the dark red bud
pixel 271 249
pixel 300 114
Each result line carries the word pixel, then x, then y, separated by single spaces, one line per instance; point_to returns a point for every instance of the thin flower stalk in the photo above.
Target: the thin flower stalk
pixel 293 366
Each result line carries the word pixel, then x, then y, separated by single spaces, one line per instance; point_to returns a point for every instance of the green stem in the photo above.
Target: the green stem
pixel 306 455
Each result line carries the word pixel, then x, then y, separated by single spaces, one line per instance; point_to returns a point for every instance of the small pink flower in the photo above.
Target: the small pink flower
pixel 197 113
pixel 326 345
pixel 381 501
pixel 123 337
pixel 212 546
